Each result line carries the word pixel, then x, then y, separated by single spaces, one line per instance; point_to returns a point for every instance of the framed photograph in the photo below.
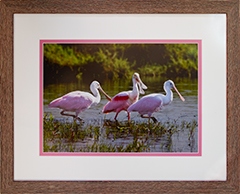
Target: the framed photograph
pixel 120 97
pixel 96 133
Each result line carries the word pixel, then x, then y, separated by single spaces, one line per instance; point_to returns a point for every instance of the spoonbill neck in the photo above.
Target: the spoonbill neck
pixel 168 98
pixel 135 90
pixel 96 94
pixel 134 94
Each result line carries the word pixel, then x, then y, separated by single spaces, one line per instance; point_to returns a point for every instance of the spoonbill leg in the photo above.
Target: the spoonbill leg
pixel 153 118
pixel 74 116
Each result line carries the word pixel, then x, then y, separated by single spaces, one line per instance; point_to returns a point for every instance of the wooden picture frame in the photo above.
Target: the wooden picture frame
pixel 228 7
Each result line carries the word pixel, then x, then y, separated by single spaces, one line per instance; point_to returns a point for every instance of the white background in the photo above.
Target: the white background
pixel 29 29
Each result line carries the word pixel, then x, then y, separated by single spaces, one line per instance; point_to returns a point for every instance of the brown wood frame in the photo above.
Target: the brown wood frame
pixel 228 7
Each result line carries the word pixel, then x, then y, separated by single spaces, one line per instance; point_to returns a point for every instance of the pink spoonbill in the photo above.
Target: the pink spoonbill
pixel 124 99
pixel 154 102
pixel 78 101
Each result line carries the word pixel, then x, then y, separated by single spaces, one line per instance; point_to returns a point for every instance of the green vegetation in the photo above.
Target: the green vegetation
pixel 109 136
pixel 65 56
pixel 112 60
pixel 183 59
pixel 121 60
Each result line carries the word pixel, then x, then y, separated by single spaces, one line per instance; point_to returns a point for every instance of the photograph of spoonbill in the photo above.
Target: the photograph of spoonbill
pixel 123 100
pixel 78 118
pixel 79 101
pixel 154 102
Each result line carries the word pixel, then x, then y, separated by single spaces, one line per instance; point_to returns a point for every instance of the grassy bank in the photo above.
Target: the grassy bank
pixel 111 136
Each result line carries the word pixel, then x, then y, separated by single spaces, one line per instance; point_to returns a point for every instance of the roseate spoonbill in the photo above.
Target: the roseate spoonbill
pixel 154 102
pixel 79 101
pixel 124 99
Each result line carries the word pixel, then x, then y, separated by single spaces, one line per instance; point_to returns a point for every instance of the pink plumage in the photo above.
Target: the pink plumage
pixel 121 97
pixel 74 101
pixel 79 101
pixel 154 102
pixel 123 100
pixel 119 102
pixel 147 105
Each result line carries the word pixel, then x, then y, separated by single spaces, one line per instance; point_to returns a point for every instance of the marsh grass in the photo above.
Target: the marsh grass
pixel 111 136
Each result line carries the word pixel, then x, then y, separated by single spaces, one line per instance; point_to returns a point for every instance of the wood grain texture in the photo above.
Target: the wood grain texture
pixel 230 7
pixel 233 106
pixel 6 98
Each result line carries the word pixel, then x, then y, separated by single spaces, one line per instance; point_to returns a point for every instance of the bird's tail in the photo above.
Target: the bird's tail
pixel 54 103
pixel 105 109
pixel 131 108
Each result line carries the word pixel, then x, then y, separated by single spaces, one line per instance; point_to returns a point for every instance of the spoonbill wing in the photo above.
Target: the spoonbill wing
pixel 73 101
pixel 147 104
pixel 122 96
pixel 118 102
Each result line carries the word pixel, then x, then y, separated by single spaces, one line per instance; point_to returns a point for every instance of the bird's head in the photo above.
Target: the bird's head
pixel 170 84
pixel 136 79
pixel 96 85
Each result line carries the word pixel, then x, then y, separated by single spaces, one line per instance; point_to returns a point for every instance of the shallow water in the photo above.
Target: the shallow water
pixel 177 111
pixel 187 110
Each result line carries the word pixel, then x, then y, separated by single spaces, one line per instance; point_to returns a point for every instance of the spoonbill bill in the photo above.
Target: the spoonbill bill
pixel 154 102
pixel 79 101
pixel 124 99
